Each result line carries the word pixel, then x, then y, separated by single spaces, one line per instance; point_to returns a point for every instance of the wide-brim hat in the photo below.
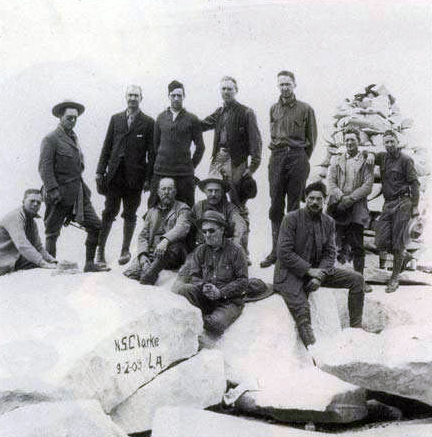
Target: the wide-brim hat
pixel 58 109
pixel 214 177
pixel 257 290
pixel 246 188
pixel 413 230
pixel 213 216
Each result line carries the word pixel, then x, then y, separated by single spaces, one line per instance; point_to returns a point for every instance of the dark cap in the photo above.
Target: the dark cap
pixel 213 216
pixel 174 85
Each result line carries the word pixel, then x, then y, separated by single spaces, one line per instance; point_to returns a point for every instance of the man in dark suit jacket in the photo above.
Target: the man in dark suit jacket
pixel 306 253
pixel 66 195
pixel 124 170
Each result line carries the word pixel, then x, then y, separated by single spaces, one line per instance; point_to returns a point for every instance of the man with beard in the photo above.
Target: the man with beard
pixel 400 188
pixel 161 243
pixel 306 255
pixel 67 197
pixel 175 130
pixel 20 245
pixel 293 133
pixel 124 171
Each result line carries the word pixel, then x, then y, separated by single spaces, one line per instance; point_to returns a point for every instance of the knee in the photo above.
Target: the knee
pixel 357 281
pixel 213 324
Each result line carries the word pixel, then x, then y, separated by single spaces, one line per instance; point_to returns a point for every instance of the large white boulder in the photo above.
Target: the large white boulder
pixel 89 335
pixel 397 361
pixel 83 418
pixel 198 382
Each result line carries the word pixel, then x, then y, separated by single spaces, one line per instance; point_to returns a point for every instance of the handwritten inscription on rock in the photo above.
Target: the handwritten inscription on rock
pixel 143 359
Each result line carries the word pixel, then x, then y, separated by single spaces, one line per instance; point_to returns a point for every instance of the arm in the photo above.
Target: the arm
pixel 210 122
pixel 255 143
pixel 411 176
pixel 150 150
pixel 198 141
pixel 238 286
pixel 311 132
pixel 332 180
pixel 366 187
pixel 181 228
pixel 144 236
pixel 46 164
pixel 285 247
pixel 328 255
pixel 106 149
pixel 38 246
pixel 238 223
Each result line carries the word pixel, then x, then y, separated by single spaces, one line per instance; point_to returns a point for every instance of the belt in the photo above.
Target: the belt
pixel 399 196
pixel 288 149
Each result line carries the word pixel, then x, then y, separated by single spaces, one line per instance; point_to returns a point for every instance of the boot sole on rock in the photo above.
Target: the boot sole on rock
pixel 124 259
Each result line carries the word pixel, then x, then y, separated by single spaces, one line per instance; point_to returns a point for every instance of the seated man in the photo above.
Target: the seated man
pixel 219 276
pixel 161 242
pixel 306 255
pixel 215 188
pixel 20 245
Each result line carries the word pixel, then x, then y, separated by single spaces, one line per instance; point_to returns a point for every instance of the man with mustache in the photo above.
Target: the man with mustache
pixel 161 242
pixel 306 255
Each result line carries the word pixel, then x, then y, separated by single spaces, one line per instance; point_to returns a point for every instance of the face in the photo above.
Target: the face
pixel 228 91
pixel 176 97
pixel 213 233
pixel 286 86
pixel 133 97
pixel 391 144
pixel 167 191
pixel 32 203
pixel 315 201
pixel 351 144
pixel 214 193
pixel 69 118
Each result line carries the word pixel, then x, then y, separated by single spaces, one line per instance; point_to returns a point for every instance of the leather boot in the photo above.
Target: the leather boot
pixel 355 309
pixel 51 245
pixel 382 260
pixel 150 276
pixel 271 257
pixel 103 236
pixel 91 243
pixel 306 333
pixel 128 231
pixel 393 284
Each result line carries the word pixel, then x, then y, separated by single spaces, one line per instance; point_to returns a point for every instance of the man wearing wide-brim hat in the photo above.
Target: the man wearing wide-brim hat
pixel 219 276
pixel 67 197
pixel 215 189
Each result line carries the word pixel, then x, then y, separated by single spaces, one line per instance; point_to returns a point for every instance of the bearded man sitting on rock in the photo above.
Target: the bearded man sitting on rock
pixel 306 253
pixel 161 243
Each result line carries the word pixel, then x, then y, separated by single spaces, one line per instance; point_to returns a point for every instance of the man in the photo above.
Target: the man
pixel 218 269
pixel 215 189
pixel 20 245
pixel 161 243
pixel 123 170
pixel 305 261
pixel 175 130
pixel 67 197
pixel 400 188
pixel 350 181
pixel 293 133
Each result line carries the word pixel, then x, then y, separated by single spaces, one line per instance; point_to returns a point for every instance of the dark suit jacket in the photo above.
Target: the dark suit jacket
pixel 295 245
pixel 135 143
pixel 61 163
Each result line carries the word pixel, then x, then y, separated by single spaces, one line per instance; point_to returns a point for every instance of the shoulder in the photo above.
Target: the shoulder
pixel 147 118
pixel 162 115
pixel 191 117
pixel 118 115
pixel 337 159
pixel 52 136
pixel 275 106
pixel 234 248
pixel 14 216
pixel 406 158
pixel 303 105
pixel 327 220
pixel 180 206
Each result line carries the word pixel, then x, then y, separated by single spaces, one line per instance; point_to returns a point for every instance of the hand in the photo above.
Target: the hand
pixel 161 248
pixel 143 260
pixel 247 172
pixel 54 196
pixel 316 273
pixel 415 212
pixel 146 186
pixel 47 265
pixel 211 292
pixel 370 160
pixel 346 201
pixel 312 285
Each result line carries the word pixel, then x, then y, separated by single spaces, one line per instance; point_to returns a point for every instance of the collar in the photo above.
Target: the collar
pixel 28 215
pixel 230 104
pixel 129 112
pixel 170 111
pixel 70 134
pixel 219 248
pixel 313 217
pixel 169 208
pixel 290 101
pixel 356 157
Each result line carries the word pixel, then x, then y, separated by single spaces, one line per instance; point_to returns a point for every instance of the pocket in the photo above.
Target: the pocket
pixel 225 272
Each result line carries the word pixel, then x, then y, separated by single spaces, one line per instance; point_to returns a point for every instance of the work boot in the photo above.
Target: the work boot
pixel 367 288
pixel 306 334
pixel 102 239
pixel 150 275
pixel 100 256
pixel 90 266
pixel 393 284
pixel 51 245
pixel 271 257
pixel 355 307
pixel 128 230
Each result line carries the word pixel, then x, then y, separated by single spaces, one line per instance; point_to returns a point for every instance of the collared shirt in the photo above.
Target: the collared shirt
pixel 292 124
pixel 353 168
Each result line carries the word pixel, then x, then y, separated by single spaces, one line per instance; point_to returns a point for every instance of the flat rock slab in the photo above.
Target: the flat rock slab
pixel 96 336
pixel 308 395
pixel 59 419
pixel 198 382
pixel 374 275
pixel 397 361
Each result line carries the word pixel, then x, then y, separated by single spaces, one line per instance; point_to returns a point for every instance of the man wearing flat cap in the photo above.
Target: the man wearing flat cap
pixel 219 276
pixel 175 130
pixel 215 189
pixel 124 170
pixel 67 197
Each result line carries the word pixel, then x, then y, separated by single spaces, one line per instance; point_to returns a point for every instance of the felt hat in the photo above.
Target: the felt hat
pixel 413 230
pixel 246 188
pixel 257 289
pixel 58 109
pixel 174 85
pixel 215 177
pixel 213 216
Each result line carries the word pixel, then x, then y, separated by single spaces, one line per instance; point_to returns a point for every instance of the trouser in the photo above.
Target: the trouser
pixel 391 225
pixel 24 264
pixel 352 235
pixel 296 298
pixel 217 316
pixel 173 258
pixel 185 189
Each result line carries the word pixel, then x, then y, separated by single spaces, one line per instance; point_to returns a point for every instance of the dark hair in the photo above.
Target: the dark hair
pixel 316 186
pixel 231 79
pixel 390 132
pixel 174 85
pixel 352 130
pixel 287 73
pixel 31 191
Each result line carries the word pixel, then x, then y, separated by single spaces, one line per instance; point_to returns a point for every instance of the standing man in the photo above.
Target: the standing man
pixel 124 171
pixel 350 181
pixel 400 188
pixel 293 133
pixel 20 245
pixel 306 256
pixel 175 130
pixel 67 197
